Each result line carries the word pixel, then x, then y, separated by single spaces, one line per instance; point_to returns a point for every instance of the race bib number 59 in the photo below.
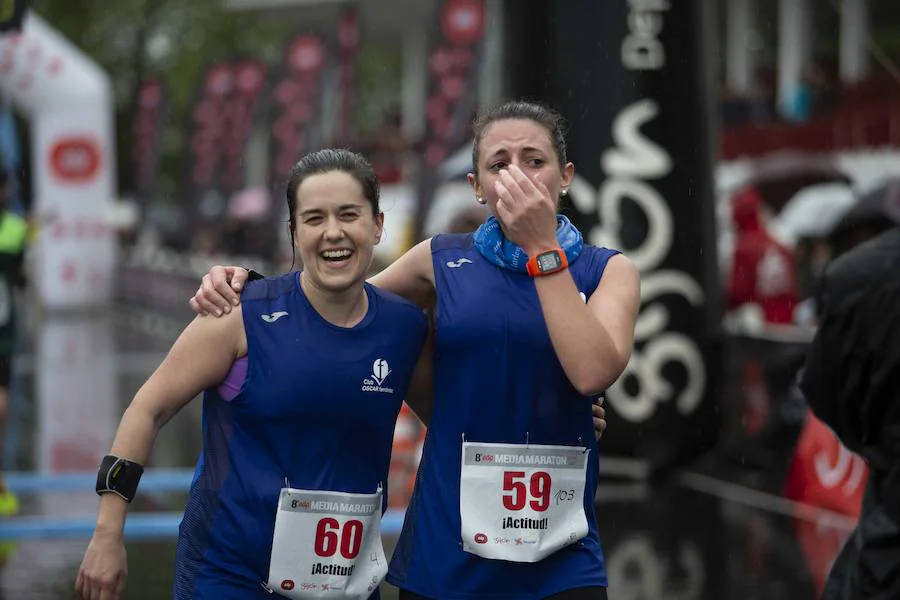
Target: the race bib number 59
pixel 521 503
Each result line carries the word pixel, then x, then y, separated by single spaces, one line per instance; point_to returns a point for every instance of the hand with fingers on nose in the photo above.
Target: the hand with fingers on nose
pixel 526 210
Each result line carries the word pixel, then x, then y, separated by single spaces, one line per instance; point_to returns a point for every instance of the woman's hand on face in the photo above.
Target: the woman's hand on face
pixel 526 210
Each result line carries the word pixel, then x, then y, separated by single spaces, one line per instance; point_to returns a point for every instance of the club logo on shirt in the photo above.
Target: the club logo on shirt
pixel 375 382
pixel 458 263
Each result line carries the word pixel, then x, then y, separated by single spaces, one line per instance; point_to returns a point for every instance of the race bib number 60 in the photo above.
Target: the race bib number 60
pixel 521 503
pixel 327 545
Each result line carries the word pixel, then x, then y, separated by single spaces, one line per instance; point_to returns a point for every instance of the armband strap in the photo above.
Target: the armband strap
pixel 119 476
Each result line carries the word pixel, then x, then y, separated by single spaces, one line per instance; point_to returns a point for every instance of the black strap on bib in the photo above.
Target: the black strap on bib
pixel 119 476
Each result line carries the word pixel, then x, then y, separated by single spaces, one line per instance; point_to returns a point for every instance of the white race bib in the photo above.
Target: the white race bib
pixel 521 503
pixel 327 545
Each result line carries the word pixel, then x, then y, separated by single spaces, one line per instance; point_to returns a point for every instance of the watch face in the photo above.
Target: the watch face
pixel 548 261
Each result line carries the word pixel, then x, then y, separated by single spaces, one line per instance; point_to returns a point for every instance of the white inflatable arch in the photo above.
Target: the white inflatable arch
pixel 69 104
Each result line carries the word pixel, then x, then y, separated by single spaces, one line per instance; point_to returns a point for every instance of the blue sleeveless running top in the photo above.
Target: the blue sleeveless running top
pixel 496 377
pixel 317 410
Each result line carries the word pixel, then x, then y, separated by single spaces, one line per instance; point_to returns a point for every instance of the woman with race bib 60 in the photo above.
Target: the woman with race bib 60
pixel 531 324
pixel 302 386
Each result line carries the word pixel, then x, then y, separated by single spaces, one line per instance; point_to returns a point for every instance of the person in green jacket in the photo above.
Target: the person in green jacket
pixel 13 240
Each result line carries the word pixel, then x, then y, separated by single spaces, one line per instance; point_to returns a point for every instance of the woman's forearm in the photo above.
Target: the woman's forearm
pixel 586 350
pixel 134 441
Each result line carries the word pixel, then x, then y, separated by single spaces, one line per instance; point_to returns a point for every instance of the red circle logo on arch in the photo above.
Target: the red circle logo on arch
pixel 75 159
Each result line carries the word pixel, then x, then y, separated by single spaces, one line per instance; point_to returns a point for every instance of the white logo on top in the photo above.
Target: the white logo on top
pixel 583 297
pixel 380 370
pixel 458 263
pixel 274 316
pixel 375 382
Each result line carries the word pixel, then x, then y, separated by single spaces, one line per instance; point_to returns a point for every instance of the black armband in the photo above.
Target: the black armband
pixel 253 275
pixel 119 476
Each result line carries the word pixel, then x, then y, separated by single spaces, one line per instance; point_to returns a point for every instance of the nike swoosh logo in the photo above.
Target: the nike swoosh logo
pixel 583 297
pixel 458 263
pixel 274 316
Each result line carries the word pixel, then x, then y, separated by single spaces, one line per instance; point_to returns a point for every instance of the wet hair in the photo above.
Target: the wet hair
pixel 547 118
pixel 326 161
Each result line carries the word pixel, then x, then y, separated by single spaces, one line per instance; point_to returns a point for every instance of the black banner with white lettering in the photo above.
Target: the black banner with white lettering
pixel 630 76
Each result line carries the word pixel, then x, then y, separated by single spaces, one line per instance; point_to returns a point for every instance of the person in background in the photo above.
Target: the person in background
pixel 851 382
pixel 763 272
pixel 13 241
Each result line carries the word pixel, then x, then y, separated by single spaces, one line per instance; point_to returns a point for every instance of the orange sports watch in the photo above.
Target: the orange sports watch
pixel 547 262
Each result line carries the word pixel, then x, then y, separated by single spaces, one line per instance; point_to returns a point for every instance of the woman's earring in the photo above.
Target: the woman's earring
pixel 565 192
pixel 479 200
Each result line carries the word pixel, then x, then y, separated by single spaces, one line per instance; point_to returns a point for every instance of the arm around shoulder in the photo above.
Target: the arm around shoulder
pixel 220 290
pixel 420 396
pixel 410 276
